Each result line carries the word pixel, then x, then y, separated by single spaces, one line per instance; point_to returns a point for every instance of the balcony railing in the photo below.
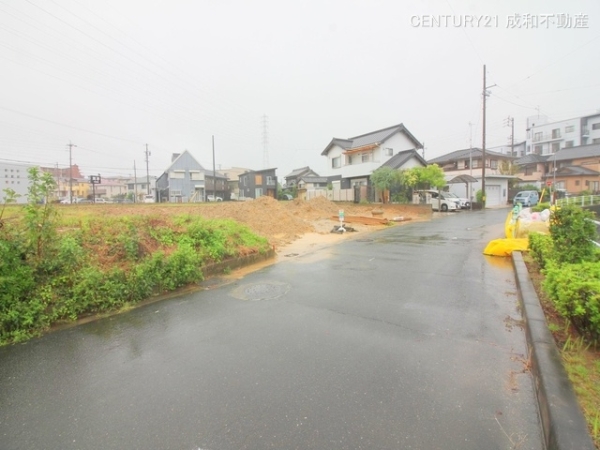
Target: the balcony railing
pixel 547 137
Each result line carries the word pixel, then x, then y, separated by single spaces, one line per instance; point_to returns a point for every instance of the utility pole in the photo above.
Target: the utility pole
pixel 470 193
pixel 510 122
pixel 214 172
pixel 147 170
pixel 485 94
pixel 134 183
pixel 71 145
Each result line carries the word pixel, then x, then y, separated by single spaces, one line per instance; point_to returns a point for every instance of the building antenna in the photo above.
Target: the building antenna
pixel 265 141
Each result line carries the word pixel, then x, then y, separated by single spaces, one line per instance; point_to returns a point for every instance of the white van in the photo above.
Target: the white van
pixel 149 198
pixel 443 204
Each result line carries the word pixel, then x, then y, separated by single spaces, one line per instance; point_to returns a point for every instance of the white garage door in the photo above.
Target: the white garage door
pixel 492 192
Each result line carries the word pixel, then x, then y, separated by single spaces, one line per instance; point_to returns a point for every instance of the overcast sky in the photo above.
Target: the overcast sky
pixel 111 76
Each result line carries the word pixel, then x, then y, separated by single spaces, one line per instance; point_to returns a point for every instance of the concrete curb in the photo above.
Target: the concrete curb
pixel 235 263
pixel 563 423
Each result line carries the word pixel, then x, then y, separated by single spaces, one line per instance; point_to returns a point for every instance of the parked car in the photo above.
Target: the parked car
pixel 149 198
pixel 527 198
pixel 438 203
pixel 463 203
pixel 286 197
pixel 212 198
pixel 101 200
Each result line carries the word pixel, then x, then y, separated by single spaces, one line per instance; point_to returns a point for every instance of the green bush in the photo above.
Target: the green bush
pixel 572 233
pixel 53 270
pixel 575 291
pixel 541 248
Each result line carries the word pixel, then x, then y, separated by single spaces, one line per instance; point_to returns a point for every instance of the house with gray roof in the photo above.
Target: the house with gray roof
pixel 574 169
pixel 185 180
pixel 355 158
pixel 470 161
pixel 292 178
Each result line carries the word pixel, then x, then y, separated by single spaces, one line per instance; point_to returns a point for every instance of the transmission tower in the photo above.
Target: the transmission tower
pixel 265 140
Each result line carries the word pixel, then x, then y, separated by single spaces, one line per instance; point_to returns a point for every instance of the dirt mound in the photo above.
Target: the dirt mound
pixel 282 222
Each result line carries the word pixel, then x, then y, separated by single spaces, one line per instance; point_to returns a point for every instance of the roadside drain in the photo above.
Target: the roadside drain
pixel 260 291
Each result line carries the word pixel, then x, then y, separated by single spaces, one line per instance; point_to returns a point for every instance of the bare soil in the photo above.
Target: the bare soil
pixel 282 222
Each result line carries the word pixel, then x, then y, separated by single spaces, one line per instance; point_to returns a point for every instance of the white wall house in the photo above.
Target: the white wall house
pixel 546 138
pixel 15 177
pixel 470 162
pixel 355 158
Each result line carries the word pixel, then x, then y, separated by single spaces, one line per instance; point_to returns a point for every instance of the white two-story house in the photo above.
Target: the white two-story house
pixel 357 157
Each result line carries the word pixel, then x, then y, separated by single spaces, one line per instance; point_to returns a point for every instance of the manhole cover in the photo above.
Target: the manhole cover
pixel 260 291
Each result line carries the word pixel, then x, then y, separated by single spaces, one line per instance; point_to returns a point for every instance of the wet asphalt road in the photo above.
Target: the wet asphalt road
pixel 407 338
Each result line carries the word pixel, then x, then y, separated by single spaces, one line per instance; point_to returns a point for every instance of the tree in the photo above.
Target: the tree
pixel 424 177
pixel 507 167
pixel 384 179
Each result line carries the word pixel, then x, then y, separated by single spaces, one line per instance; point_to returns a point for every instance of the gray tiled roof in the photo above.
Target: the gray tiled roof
pixel 374 137
pixel 464 154
pixel 574 171
pixel 296 172
pixel 582 151
pixel 398 160
pixel 531 159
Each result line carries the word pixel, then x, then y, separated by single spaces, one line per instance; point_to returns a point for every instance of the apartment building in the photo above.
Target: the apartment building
pixel 547 138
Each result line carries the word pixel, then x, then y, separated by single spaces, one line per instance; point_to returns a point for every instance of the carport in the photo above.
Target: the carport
pixel 468 180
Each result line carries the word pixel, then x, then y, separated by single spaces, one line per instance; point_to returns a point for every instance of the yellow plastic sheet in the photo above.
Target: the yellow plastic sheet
pixel 504 247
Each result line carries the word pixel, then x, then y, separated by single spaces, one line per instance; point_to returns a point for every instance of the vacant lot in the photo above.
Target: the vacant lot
pixel 281 222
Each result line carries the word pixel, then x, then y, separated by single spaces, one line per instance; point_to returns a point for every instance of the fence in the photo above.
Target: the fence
pixel 336 195
pixel 584 200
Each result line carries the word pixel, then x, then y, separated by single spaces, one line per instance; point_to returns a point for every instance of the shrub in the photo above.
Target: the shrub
pixel 575 291
pixel 572 233
pixel 541 248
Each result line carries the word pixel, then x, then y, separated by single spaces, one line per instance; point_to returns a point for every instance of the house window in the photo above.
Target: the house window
pixel 568 144
pixel 349 160
pixel 258 192
pixel 538 136
pixel 475 163
pixel 556 133
pixel 596 141
pixel 555 147
pixel 529 170
pixel 466 164
pixel 537 150
pixel 587 183
pixel 270 181
pixel 258 180
pixel 494 164
pixel 388 151
pixel 367 157
pixel 335 162
pixel 177 174
pixel 596 126
pixel 196 175
pixel 569 129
